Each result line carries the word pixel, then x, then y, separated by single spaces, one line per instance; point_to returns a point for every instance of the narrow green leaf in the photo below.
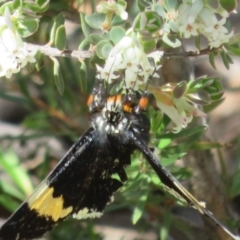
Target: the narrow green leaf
pixel 58 76
pixel 165 228
pixel 8 189
pixel 83 76
pixel 85 27
pixel 143 4
pixel 61 38
pixel 212 60
pixel 139 208
pixel 8 203
pixel 10 163
pixel 225 59
pixel 184 133
pixel 43 5
pixel 58 21
pixel 197 42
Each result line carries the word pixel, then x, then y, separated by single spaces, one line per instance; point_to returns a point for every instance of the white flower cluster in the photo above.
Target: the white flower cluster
pixel 194 18
pixel 111 6
pixel 127 57
pixel 180 110
pixel 14 54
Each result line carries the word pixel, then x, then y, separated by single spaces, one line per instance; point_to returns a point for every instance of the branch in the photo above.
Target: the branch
pixel 54 52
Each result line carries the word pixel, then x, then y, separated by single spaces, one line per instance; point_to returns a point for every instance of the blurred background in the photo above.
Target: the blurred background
pixel 38 125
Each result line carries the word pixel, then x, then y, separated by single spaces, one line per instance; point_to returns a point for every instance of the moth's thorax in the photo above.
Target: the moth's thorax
pixel 111 119
pixel 115 114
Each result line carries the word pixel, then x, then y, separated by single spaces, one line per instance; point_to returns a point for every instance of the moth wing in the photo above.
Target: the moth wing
pixel 173 184
pixel 80 185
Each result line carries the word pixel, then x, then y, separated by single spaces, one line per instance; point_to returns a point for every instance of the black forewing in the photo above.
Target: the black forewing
pixel 171 182
pixel 82 179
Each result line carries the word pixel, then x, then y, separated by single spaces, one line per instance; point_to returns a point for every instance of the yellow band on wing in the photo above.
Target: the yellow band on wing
pixel 46 205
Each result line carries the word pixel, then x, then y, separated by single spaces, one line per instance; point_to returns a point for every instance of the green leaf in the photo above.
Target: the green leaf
pixel 165 227
pixel 211 58
pixel 84 45
pixel 139 208
pixel 164 143
pixel 17 4
pixel 8 203
pixel 171 158
pixel 149 46
pixel 148 21
pixel 61 38
pixel 85 27
pixel 183 133
pixel 197 42
pixel 8 189
pixel 106 50
pixel 172 42
pixel 102 49
pixel 228 5
pixel 233 49
pixel 116 21
pixel 11 165
pixel 180 89
pixel 27 27
pixel 43 5
pixel 7 4
pixel 213 105
pixel 116 34
pixel 95 38
pixel 225 59
pixel 159 9
pixel 58 76
pixel 58 21
pixel 170 4
pixel 96 20
pixel 39 60
pixel 235 39
pixel 14 98
pixel 143 4
pixel 83 76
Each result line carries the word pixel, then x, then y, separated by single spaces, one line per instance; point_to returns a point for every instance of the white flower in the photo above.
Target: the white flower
pixel 111 6
pixel 26 57
pixel 8 67
pixel 106 73
pixel 14 54
pixel 130 59
pixel 180 110
pixel 213 29
pixel 188 26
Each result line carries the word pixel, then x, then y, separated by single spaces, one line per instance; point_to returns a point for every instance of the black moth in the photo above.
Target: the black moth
pixel 81 184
